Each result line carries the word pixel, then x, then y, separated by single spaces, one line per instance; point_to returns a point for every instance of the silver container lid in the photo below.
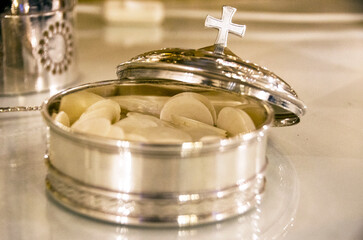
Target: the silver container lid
pixel 216 66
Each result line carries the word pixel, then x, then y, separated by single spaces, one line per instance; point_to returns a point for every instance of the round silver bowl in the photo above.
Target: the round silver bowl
pixel 137 183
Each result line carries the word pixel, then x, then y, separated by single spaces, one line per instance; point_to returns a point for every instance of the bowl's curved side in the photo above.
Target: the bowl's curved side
pixel 154 184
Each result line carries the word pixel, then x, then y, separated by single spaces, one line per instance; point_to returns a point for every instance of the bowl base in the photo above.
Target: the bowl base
pixel 153 209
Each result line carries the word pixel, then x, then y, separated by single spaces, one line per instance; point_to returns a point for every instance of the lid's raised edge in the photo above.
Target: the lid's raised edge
pixel 288 108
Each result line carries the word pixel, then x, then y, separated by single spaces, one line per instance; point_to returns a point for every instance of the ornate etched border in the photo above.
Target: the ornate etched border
pixel 164 209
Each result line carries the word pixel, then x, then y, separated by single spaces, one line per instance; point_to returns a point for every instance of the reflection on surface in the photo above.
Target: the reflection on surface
pixel 22 171
pixel 271 218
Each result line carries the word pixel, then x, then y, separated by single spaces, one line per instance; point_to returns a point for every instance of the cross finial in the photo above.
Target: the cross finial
pixel 225 26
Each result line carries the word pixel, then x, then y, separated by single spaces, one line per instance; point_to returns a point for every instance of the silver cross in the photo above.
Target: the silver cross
pixel 225 26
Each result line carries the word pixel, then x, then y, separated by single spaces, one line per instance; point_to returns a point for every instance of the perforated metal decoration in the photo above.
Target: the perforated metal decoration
pixel 56 48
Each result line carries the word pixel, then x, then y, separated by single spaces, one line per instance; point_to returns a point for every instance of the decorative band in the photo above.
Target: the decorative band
pixel 178 209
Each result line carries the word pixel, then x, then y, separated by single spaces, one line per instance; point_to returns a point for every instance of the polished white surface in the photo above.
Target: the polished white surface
pixel 314 178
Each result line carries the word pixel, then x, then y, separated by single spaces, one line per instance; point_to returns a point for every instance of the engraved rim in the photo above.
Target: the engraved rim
pixel 155 210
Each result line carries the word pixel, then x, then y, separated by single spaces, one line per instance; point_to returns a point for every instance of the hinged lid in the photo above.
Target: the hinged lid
pixel 217 66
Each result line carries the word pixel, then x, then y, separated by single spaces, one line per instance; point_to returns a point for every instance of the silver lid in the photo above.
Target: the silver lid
pixel 216 66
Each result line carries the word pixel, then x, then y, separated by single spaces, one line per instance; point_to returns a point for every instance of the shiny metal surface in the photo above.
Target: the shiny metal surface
pixel 225 26
pixel 154 209
pixel 217 66
pixel 225 71
pixel 156 172
pixel 37 46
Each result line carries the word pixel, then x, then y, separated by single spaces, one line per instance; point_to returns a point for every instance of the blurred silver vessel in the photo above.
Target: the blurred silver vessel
pixel 37 50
